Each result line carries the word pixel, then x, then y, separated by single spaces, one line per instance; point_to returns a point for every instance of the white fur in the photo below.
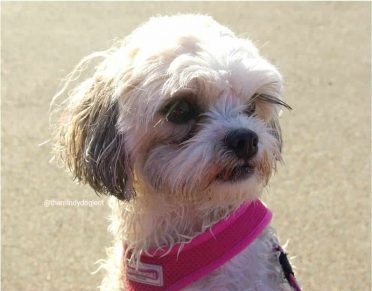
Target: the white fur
pixel 177 193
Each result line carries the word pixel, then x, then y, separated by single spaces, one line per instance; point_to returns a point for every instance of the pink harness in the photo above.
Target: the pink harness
pixel 174 269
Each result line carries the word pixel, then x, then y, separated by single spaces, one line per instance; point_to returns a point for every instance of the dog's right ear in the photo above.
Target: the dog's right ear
pixel 88 141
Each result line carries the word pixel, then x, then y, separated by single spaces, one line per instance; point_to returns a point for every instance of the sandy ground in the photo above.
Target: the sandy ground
pixel 320 197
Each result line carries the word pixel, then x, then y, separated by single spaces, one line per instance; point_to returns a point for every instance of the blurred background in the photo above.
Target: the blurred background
pixel 320 197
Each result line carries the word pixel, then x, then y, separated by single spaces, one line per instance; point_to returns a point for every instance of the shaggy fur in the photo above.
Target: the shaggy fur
pixel 169 181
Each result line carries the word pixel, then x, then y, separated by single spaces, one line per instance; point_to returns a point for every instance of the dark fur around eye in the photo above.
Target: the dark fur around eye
pixel 180 110
pixel 251 108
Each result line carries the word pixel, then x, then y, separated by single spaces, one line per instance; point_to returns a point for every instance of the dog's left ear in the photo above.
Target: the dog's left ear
pixel 276 131
pixel 89 142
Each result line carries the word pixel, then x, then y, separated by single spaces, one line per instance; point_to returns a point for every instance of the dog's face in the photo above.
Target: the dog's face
pixel 181 108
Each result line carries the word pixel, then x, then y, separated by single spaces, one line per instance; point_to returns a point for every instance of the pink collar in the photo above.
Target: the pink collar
pixel 165 269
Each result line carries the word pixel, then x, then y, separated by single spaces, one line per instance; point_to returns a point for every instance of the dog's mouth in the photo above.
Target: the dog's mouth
pixel 236 173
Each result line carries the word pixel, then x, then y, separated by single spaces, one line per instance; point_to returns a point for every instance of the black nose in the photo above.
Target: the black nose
pixel 243 142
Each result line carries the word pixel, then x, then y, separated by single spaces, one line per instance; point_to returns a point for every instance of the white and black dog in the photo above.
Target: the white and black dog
pixel 179 124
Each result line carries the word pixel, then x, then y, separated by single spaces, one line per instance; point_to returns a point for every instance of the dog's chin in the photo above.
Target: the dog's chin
pixel 236 174
pixel 235 186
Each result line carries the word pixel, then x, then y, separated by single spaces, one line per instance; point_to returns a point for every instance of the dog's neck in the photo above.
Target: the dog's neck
pixel 151 221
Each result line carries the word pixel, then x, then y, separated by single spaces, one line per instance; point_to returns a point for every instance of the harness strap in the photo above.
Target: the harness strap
pixel 175 268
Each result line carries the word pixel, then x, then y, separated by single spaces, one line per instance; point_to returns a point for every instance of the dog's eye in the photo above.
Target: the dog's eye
pixel 251 108
pixel 180 112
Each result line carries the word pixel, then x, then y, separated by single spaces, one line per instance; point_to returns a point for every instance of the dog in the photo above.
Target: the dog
pixel 179 124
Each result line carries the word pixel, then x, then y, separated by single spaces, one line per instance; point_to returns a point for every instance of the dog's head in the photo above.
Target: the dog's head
pixel 182 107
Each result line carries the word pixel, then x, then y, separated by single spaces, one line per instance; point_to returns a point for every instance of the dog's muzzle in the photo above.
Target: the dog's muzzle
pixel 243 143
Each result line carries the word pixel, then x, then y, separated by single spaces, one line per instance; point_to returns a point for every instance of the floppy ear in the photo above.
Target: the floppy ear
pixel 274 121
pixel 276 132
pixel 89 142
